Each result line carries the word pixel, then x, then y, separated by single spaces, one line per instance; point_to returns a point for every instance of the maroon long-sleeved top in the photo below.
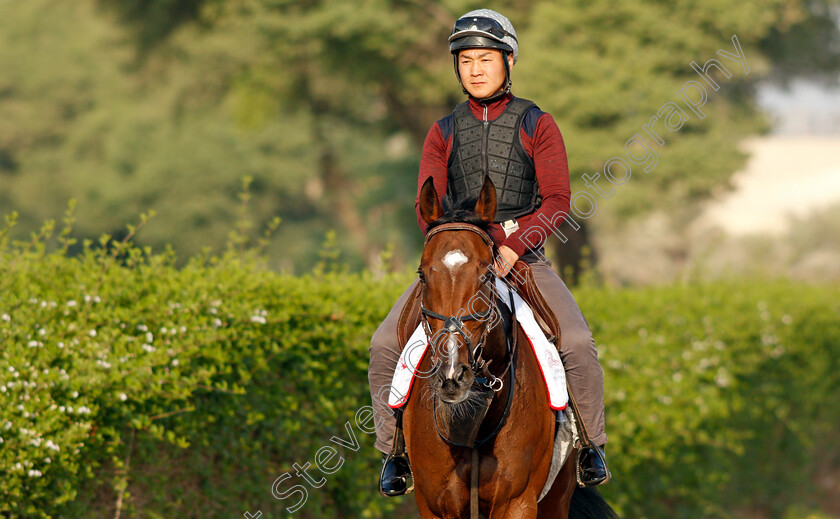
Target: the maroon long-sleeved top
pixel 542 141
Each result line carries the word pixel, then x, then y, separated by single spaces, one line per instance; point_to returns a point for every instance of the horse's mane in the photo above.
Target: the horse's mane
pixel 460 213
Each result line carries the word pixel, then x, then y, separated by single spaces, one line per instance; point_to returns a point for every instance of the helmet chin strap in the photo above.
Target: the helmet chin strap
pixel 505 88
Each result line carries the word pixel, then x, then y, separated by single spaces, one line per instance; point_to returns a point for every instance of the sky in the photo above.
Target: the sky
pixel 808 108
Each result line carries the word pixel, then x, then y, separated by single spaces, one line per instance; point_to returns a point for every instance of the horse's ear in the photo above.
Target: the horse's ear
pixel 430 208
pixel 485 207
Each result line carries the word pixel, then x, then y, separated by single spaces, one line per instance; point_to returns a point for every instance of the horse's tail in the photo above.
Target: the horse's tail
pixel 587 503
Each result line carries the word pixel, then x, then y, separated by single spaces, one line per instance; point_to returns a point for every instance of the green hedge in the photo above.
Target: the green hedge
pixel 187 392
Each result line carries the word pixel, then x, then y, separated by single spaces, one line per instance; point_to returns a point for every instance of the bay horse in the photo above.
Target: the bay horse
pixel 482 402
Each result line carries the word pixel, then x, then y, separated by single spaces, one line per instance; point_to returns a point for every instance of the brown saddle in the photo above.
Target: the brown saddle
pixel 520 277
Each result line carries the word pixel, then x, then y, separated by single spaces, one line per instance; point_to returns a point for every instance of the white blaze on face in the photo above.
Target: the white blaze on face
pixel 454 259
pixel 452 353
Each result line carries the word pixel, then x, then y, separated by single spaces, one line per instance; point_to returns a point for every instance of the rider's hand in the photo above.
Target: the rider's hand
pixel 505 260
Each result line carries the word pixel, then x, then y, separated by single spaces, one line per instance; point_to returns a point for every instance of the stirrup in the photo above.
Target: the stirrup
pixel 390 457
pixel 579 471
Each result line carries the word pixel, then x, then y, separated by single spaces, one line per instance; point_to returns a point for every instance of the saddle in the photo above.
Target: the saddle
pixel 520 277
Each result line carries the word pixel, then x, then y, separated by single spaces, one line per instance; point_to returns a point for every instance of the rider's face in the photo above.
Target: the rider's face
pixel 482 71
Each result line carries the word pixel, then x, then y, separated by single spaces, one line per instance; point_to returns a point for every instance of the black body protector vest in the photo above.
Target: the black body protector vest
pixel 481 148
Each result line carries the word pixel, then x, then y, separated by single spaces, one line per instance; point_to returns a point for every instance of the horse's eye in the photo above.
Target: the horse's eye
pixel 421 275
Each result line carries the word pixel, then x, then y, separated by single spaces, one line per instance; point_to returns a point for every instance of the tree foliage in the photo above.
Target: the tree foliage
pixel 167 105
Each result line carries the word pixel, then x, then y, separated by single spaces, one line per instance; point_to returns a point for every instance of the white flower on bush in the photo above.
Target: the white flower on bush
pixel 103 364
pixel 83 410
pixel 722 378
pixel 142 328
pixel 5 317
pixel 92 333
pixel 1 439
pixel 34 344
pixel 75 394
pixel 175 362
pixel 42 332
pixel 71 303
pixel 149 348
pixel 123 397
pixel 87 298
pixel 259 316
pixel 150 337
pixel 34 473
pixel 96 299
pixel 36 442
pixel 47 460
pixel 217 323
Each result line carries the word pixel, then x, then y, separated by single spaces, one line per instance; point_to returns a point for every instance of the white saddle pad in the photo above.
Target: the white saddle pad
pixel 547 357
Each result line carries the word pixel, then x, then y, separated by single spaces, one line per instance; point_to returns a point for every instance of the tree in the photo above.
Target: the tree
pixel 326 105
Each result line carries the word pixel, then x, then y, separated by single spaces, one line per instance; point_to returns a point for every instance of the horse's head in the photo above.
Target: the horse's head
pixel 457 291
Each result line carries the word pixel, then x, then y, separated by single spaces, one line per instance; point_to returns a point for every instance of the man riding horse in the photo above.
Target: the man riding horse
pixel 524 155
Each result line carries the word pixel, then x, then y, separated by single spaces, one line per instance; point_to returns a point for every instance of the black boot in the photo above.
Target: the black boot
pixel 394 476
pixel 593 467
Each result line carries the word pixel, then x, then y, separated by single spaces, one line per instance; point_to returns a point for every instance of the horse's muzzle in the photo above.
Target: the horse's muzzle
pixel 455 389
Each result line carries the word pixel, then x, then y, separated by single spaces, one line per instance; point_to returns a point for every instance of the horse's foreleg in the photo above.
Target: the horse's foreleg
pixel 424 510
pixel 524 507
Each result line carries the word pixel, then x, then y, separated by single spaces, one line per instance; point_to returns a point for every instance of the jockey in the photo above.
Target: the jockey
pixel 528 166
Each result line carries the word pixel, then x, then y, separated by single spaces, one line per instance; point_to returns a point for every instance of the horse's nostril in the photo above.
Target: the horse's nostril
pixel 462 374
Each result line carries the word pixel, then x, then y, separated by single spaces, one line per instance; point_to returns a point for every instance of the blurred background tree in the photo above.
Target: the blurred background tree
pixel 134 105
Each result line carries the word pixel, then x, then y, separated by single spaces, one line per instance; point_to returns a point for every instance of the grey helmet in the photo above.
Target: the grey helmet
pixel 484 28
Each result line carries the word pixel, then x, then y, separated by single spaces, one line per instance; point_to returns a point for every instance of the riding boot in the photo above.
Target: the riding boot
pixel 395 472
pixel 593 467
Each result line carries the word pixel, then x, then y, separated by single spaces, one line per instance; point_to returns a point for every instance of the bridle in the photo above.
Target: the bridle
pixel 454 325
pixel 482 376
